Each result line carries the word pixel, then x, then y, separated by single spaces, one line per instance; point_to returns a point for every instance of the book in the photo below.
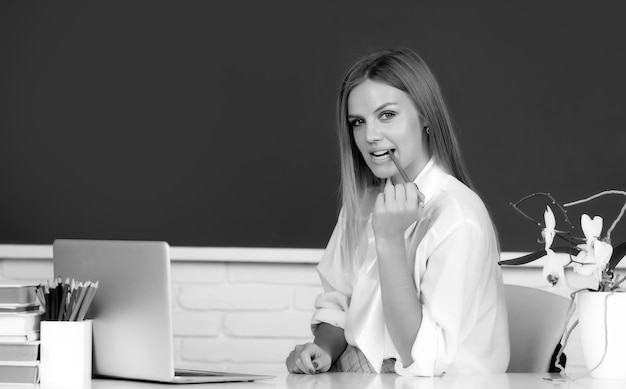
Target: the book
pixel 19 351
pixel 27 307
pixel 19 372
pixel 21 337
pixel 18 294
pixel 19 323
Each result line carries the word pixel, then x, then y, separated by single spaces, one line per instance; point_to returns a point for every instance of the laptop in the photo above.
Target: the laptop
pixel 131 310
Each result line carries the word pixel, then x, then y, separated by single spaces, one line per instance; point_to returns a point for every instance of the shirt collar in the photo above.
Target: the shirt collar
pixel 430 179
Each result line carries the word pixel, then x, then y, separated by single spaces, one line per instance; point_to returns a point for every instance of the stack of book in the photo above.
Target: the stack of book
pixel 20 316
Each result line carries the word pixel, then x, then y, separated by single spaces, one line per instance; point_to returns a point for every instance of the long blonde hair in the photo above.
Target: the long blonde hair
pixel 405 70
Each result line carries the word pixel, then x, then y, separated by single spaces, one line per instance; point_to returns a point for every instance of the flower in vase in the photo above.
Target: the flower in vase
pixel 594 255
pixel 553 271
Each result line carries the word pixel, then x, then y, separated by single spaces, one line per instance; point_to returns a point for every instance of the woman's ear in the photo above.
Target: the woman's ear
pixel 425 124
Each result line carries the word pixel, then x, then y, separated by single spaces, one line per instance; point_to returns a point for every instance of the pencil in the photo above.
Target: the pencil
pixel 62 305
pixel 82 291
pixel 84 307
pixel 71 298
pixel 54 300
pixel 76 286
pixel 41 296
pixel 402 172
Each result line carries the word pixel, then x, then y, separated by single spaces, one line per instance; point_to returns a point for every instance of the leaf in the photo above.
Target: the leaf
pixel 618 254
pixel 538 254
pixel 524 259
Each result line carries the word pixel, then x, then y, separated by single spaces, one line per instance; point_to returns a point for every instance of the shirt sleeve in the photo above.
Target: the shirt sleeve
pixel 448 292
pixel 331 306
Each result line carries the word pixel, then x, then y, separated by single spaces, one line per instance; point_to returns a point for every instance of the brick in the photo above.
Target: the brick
pixel 175 297
pixel 273 273
pixel 268 324
pixel 218 350
pixel 239 297
pixel 197 323
pixel 304 298
pixel 198 272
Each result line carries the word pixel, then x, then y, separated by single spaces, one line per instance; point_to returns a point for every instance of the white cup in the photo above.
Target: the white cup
pixel 65 353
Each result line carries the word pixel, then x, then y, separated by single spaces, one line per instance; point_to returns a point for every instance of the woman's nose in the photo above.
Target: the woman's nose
pixel 372 134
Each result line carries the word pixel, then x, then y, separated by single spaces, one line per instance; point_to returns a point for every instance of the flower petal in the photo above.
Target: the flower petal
pixel 548 216
pixel 585 223
pixel 602 252
pixel 591 228
pixel 553 268
pixel 548 233
pixel 585 269
pixel 597 226
pixel 599 270
pixel 586 262
pixel 548 237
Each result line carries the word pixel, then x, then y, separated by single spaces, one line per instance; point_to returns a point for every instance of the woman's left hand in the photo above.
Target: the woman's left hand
pixel 396 208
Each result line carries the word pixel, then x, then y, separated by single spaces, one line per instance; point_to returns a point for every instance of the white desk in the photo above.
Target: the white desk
pixel 373 381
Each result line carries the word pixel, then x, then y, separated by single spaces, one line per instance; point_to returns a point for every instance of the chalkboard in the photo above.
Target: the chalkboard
pixel 208 123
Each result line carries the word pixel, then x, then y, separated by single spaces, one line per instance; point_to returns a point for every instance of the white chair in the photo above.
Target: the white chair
pixel 536 322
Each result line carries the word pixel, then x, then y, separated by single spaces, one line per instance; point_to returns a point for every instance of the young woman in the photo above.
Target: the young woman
pixel 410 275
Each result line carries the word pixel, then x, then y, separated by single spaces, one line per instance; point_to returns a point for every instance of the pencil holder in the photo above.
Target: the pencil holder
pixel 65 353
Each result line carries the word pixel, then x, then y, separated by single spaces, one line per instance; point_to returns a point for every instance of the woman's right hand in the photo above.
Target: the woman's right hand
pixel 395 209
pixel 308 358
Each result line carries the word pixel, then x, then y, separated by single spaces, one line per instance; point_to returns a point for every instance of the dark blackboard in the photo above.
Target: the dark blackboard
pixel 210 123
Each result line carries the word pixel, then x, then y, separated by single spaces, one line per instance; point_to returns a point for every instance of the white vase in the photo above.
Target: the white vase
pixel 595 331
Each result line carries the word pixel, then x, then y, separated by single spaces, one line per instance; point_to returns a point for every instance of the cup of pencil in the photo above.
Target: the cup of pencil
pixel 66 336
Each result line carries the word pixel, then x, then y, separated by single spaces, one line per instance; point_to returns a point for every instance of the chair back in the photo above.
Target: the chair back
pixel 536 322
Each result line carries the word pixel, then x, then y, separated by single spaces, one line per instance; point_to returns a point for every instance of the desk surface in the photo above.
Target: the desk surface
pixel 374 381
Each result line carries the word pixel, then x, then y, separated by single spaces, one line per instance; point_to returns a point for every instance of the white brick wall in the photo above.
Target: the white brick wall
pixel 247 316
pixel 241 316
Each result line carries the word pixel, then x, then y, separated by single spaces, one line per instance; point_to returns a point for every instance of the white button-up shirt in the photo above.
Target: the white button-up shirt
pixel 464 324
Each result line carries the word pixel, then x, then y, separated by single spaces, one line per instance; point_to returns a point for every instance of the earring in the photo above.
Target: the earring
pixel 427 130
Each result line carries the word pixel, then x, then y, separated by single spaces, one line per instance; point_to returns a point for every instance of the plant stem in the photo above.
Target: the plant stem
pixel 606 192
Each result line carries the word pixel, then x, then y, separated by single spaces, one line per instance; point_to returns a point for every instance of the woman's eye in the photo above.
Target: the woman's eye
pixel 387 115
pixel 356 123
